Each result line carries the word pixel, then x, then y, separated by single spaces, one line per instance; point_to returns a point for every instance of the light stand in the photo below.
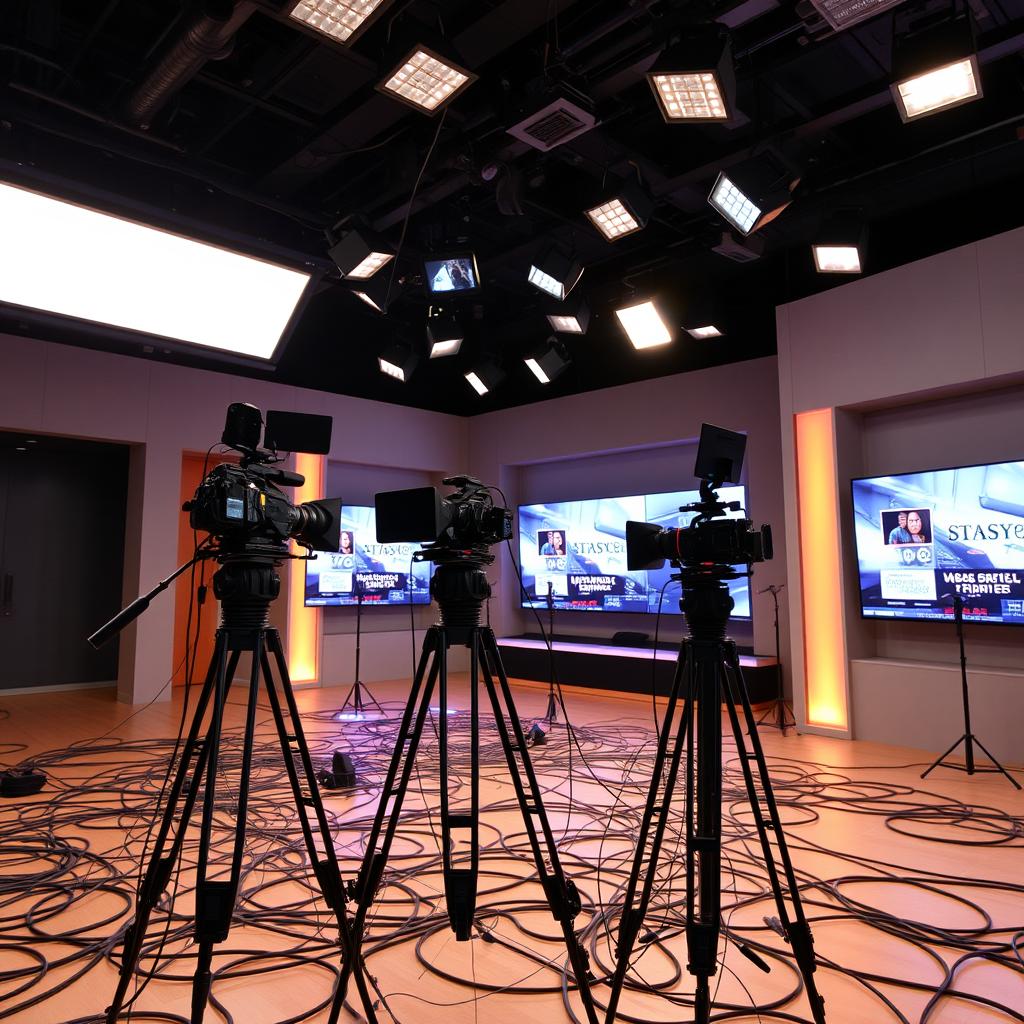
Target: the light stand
pixel 551 715
pixel 780 707
pixel 355 693
pixel 968 739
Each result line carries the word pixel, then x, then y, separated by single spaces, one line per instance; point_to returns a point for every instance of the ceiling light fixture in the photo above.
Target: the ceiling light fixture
pixel 485 376
pixel 398 361
pixel 935 68
pixel 708 331
pixel 840 245
pixel 426 80
pixel 753 193
pixel 549 361
pixel 374 292
pixel 555 272
pixel 141 278
pixel 340 20
pixel 444 333
pixel 624 213
pixel 644 325
pixel 694 80
pixel 361 253
pixel 572 317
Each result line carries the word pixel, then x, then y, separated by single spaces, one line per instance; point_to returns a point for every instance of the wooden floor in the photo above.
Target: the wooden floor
pixel 843 803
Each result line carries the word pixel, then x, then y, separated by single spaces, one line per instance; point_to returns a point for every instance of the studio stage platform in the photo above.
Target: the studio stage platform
pixel 582 661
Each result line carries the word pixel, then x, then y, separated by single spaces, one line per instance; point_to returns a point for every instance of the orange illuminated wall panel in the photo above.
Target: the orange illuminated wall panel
pixel 824 647
pixel 304 623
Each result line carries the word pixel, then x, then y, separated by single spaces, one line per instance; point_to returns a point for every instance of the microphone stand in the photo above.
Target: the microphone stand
pixel 780 707
pixel 551 715
pixel 968 739
pixel 355 694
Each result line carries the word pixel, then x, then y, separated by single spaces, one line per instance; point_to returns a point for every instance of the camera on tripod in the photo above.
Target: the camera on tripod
pixel 711 545
pixel 465 521
pixel 243 505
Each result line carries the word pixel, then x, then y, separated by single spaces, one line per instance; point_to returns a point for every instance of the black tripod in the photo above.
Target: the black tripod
pixel 245 584
pixel 968 739
pixel 707 670
pixel 460 588
pixel 551 715
pixel 355 694
pixel 779 709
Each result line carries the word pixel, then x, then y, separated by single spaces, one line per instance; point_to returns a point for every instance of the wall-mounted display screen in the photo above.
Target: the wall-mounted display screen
pixel 380 571
pixel 578 548
pixel 455 273
pixel 922 537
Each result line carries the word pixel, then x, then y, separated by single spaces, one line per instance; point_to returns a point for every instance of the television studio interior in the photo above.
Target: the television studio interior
pixel 512 511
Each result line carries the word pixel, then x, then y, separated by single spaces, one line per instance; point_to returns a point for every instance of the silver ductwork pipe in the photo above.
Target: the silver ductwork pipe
pixel 206 34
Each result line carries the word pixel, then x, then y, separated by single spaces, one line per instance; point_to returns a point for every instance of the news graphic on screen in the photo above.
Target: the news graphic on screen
pixel 452 274
pixel 578 549
pixel 379 571
pixel 922 537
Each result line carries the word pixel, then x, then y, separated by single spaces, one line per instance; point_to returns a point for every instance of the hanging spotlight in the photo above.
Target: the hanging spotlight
pixel 694 80
pixel 624 213
pixel 485 376
pixel 706 331
pixel 840 245
pixel 340 20
pixel 571 317
pixel 426 80
pixel 703 316
pixel 361 253
pixel 555 272
pixel 753 193
pixel 935 68
pixel 548 361
pixel 398 361
pixel 644 325
pixel 444 332
pixel 374 292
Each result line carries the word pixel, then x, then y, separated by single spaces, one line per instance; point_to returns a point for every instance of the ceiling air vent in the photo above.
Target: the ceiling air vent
pixel 842 14
pixel 553 125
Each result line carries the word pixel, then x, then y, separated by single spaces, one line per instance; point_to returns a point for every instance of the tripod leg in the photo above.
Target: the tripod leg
pixel 561 893
pixel 942 757
pixel 392 795
pixel 674 729
pixel 158 872
pixel 997 765
pixel 215 900
pixel 307 796
pixel 798 931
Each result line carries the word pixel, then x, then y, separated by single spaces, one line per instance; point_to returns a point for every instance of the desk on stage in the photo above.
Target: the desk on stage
pixel 605 666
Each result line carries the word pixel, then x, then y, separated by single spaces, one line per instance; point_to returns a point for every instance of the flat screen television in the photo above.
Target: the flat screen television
pixel 923 536
pixel 452 274
pixel 579 548
pixel 381 571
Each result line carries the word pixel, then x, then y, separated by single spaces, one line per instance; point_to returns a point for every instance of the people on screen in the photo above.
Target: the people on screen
pixel 917 529
pixel 555 544
pixel 346 543
pixel 899 534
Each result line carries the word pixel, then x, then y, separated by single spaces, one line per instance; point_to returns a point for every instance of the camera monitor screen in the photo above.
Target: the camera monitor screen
pixel 578 548
pixel 922 537
pixel 452 274
pixel 380 571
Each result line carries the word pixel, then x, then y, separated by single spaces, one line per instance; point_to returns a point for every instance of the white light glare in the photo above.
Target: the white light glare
pixel 370 265
pixel 366 298
pixel 537 370
pixel 391 369
pixel 942 87
pixel 643 325
pixel 836 259
pixel 691 97
pixel 445 348
pixel 478 385
pixel 546 283
pixel 704 332
pixel 613 220
pixel 66 259
pixel 425 81
pixel 734 205
pixel 565 324
pixel 335 18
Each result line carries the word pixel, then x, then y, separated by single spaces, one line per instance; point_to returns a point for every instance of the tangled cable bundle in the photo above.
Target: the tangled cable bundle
pixel 71 857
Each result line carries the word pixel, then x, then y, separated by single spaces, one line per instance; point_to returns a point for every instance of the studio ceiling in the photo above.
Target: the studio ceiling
pixel 284 137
